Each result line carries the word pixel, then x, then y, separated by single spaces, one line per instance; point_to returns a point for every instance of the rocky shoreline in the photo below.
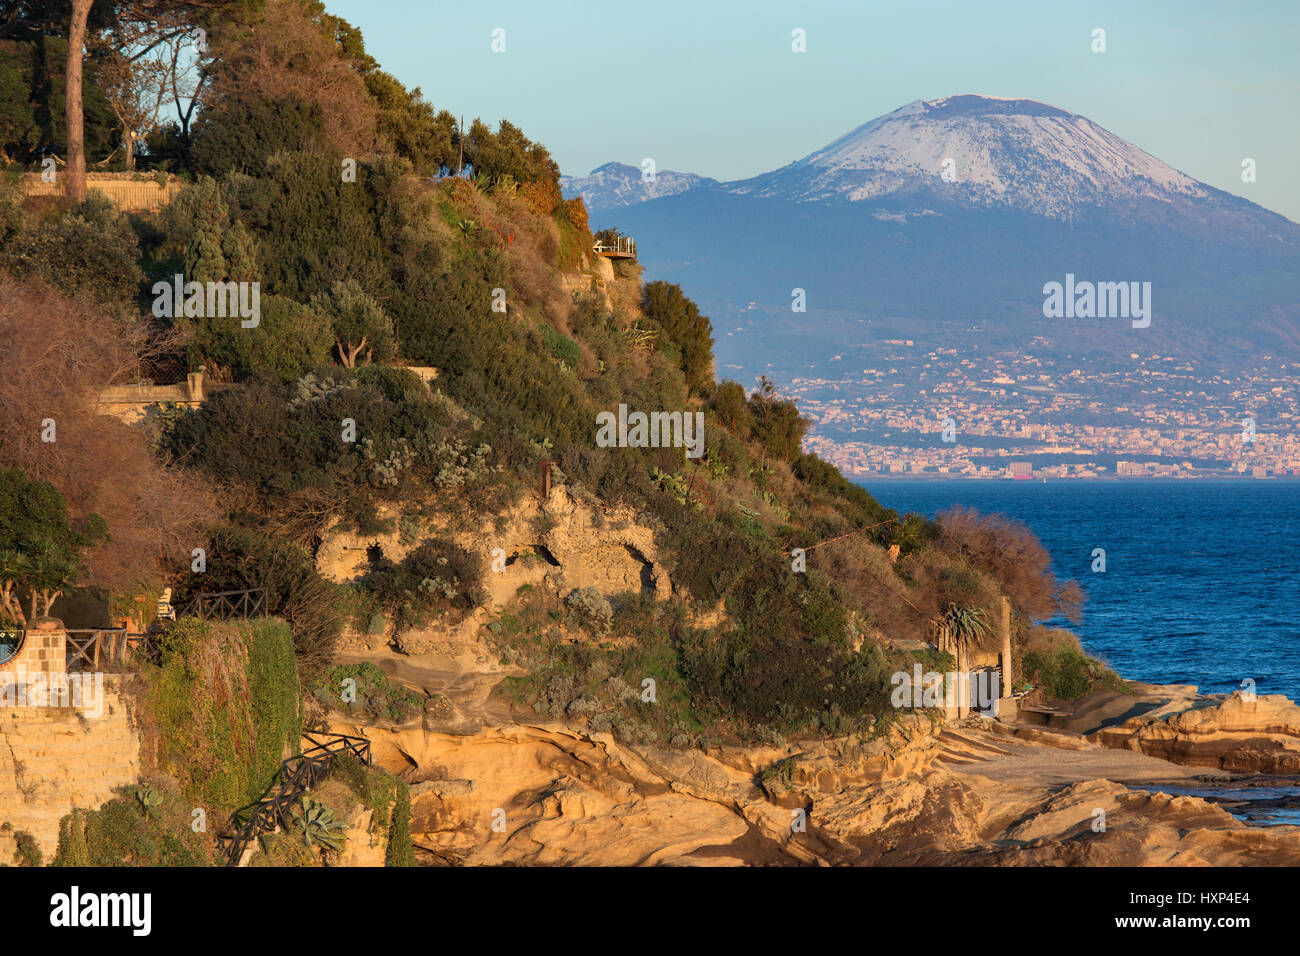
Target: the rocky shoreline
pixel 491 785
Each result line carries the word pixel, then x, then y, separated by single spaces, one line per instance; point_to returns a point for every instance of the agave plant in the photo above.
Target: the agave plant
pixel 148 798
pixel 319 828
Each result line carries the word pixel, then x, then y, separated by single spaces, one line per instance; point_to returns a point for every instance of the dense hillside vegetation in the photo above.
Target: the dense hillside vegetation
pixel 379 256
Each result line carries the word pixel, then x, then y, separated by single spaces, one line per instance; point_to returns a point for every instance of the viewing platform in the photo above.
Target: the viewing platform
pixel 624 247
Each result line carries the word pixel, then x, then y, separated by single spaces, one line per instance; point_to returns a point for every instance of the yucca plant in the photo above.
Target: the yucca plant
pixel 318 827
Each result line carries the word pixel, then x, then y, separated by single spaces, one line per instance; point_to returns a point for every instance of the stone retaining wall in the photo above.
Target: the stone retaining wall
pixel 57 758
pixel 129 195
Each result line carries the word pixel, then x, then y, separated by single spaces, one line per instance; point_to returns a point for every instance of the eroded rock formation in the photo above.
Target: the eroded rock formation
pixel 1256 734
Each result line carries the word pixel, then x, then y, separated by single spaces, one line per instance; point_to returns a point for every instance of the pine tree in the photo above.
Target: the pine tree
pixel 241 254
pixel 204 261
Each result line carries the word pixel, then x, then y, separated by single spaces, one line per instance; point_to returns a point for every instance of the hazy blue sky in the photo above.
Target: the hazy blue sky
pixel 712 87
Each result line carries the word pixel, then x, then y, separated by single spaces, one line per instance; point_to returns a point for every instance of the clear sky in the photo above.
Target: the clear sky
pixel 712 86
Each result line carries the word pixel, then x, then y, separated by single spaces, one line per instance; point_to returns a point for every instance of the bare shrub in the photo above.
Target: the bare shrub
pixel 289 53
pixel 1011 554
pixel 56 356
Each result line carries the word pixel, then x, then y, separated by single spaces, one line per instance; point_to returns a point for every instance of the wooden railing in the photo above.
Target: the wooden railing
pixel 223 605
pixel 93 648
pixel 295 777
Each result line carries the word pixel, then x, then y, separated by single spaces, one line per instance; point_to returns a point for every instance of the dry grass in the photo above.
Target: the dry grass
pixel 1048 640
pixel 533 251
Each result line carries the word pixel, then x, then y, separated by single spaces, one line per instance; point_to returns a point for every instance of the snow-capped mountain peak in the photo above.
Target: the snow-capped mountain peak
pixel 618 184
pixel 980 149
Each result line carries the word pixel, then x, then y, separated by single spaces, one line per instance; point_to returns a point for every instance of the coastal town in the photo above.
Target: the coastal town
pixel 1013 414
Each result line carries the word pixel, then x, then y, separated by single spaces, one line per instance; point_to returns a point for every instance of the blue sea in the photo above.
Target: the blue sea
pixel 1200 585
pixel 1201 576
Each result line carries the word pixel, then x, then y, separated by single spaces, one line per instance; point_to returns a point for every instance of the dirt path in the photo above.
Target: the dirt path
pixel 468 693
pixel 1035 765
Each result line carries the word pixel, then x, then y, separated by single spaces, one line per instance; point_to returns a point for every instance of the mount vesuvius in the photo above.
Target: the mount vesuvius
pixel 944 220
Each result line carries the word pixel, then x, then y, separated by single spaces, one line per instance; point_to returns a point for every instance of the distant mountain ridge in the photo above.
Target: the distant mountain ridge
pixel 1020 153
pixel 980 150
pixel 947 217
pixel 616 185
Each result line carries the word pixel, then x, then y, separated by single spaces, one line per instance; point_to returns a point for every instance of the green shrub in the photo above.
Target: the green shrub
pixel 509 153
pixel 240 558
pixel 26 849
pixel 288 341
pixel 389 800
pixel 436 578
pixel 89 251
pixel 591 609
pixel 225 700
pixel 313 230
pixel 273 695
pixel 362 329
pixel 732 408
pixel 689 332
pixel 562 347
pixel 778 426
pixel 286 441
pixel 854 502
pixel 1063 673
pixel 417 133
pixel 377 694
pixel 400 850
pixel 241 136
pixel 129 831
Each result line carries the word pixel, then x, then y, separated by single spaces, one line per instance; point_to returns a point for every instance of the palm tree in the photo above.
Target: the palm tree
pixel 967 627
pixel 51 569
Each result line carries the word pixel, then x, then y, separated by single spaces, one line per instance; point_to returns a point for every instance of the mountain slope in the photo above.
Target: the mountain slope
pixel 1019 153
pixel 869 226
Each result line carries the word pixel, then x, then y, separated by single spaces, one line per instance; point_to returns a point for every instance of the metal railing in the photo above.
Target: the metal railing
pixel 621 246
